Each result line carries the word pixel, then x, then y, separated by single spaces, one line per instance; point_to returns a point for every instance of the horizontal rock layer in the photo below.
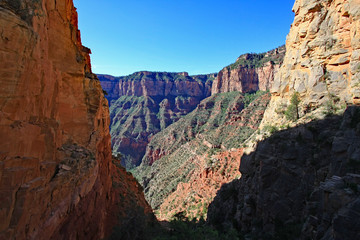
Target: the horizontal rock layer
pixel 156 84
pixel 251 72
pixel 144 103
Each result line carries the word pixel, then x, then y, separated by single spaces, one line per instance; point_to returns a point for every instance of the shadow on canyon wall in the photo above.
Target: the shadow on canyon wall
pixel 300 183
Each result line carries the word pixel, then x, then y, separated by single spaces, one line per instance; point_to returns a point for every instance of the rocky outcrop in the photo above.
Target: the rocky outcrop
pixel 322 57
pixel 55 153
pixel 300 183
pixel 144 103
pixel 251 72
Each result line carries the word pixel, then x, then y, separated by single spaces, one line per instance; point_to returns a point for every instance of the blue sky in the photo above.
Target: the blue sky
pixel 197 36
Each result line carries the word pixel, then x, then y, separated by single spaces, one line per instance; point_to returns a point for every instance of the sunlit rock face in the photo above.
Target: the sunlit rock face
pixel 322 56
pixel 251 72
pixel 55 152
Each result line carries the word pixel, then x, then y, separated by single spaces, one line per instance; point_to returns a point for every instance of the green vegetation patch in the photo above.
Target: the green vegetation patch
pixel 256 60
pixel 220 121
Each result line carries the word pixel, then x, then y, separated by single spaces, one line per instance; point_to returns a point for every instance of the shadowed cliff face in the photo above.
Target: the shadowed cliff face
pixel 304 182
pixel 144 103
pixel 300 183
pixel 55 153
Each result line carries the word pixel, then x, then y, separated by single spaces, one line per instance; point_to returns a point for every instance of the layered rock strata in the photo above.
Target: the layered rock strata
pixel 55 152
pixel 251 72
pixel 144 103
pixel 157 84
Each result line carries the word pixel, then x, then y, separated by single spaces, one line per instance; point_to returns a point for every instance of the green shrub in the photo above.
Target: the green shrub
pixel 292 111
pixel 250 97
pixel 331 105
pixel 271 129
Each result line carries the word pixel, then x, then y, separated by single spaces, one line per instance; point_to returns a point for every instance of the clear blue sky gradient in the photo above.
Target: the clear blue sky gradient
pixel 197 36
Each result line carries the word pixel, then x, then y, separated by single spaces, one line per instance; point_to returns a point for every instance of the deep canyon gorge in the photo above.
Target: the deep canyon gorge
pixel 267 148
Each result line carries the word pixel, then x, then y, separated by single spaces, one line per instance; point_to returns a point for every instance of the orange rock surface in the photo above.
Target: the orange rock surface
pixel 322 57
pixel 245 79
pixel 55 154
pixel 193 197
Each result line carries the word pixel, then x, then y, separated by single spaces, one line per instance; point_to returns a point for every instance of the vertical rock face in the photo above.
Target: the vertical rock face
pixel 250 72
pixel 322 56
pixel 55 153
pixel 144 103
pixel 303 182
pixel 300 183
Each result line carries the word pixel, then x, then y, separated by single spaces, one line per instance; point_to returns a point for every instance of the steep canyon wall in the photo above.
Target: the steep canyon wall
pixel 55 152
pixel 322 59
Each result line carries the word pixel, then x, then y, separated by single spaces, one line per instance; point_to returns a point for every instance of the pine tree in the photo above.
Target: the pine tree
pixel 292 111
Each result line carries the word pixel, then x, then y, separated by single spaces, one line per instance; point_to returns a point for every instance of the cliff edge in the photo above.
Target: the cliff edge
pixel 251 72
pixel 55 152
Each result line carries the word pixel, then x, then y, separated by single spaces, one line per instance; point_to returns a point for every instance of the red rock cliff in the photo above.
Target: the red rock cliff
pixel 55 154
pixel 250 72
pixel 157 84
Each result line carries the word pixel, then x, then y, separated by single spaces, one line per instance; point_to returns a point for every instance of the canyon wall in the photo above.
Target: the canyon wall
pixel 251 72
pixel 322 58
pixel 157 84
pixel 186 163
pixel 302 182
pixel 299 183
pixel 55 152
pixel 144 103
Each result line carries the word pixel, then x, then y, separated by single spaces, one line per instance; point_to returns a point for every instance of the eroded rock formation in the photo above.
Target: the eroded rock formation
pixel 55 152
pixel 144 103
pixel 251 72
pixel 157 84
pixel 186 163
pixel 322 57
